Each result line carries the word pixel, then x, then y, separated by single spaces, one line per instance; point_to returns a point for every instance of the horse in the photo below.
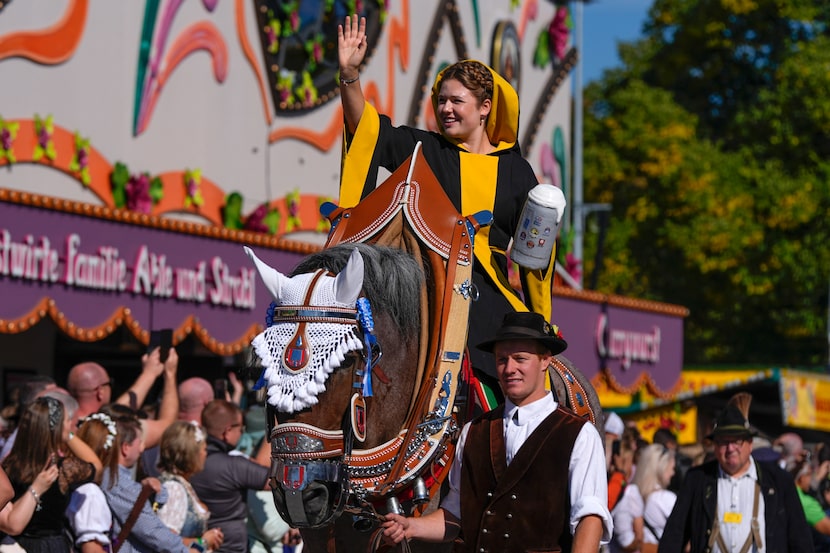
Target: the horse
pixel 363 362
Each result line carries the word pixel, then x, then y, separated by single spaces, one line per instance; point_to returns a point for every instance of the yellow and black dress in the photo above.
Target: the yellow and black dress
pixel 497 182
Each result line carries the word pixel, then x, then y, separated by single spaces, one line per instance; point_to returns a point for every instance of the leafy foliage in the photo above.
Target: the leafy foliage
pixel 711 145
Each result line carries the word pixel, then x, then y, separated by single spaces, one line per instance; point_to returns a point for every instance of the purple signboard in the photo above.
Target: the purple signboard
pixel 94 264
pixel 164 272
pixel 627 338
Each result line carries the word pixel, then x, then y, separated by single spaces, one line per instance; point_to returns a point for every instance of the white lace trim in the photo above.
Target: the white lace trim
pixel 327 345
pixel 291 391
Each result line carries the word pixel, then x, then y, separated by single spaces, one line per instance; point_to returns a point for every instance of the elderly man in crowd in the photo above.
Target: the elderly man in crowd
pixel 736 503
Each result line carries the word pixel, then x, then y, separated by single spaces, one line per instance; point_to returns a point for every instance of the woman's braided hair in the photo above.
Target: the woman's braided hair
pixel 474 75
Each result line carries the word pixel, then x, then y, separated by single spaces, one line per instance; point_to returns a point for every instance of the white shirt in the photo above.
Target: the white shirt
pixel 656 512
pixel 586 470
pixel 737 495
pixel 629 507
pixel 89 515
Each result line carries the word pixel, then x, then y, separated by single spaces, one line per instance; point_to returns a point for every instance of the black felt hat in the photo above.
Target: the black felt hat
pixel 527 326
pixel 734 419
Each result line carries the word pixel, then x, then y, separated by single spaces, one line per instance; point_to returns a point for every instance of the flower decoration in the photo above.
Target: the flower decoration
pixel 307 91
pixel 293 10
pixel 559 31
pixel 285 84
pixel 292 203
pixel 232 211
pixel 314 51
pixel 8 132
pixel 272 33
pixel 551 46
pixel 138 194
pixel 118 181
pixel 193 189
pixel 112 429
pixel 44 147
pixel 198 433
pixel 263 219
pixel 80 160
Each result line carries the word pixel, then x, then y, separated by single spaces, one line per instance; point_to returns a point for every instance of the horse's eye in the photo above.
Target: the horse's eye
pixel 349 361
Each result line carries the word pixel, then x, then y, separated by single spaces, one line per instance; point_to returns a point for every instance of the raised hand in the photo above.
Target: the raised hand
pixel 351 46
pixel 171 366
pixel 151 363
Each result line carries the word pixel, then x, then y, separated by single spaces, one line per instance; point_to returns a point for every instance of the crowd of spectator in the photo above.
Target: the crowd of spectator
pixel 83 471
pixel 646 477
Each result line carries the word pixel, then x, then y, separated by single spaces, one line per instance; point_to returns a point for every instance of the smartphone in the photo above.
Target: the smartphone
pixel 162 339
pixel 220 388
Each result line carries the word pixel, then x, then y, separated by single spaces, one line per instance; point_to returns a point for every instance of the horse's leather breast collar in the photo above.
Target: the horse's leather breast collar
pixel 410 202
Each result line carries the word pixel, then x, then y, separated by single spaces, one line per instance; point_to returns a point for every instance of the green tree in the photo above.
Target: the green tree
pixel 714 159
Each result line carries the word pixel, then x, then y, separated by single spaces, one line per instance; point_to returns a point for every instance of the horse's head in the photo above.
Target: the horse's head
pixel 315 352
pixel 312 327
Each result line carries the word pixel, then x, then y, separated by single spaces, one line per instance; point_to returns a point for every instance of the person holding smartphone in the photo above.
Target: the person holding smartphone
pixel 91 385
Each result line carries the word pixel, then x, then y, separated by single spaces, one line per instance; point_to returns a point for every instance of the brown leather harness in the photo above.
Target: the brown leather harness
pixel 409 211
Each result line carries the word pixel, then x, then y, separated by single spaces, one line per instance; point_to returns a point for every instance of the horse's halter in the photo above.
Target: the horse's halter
pixel 309 473
pixel 415 462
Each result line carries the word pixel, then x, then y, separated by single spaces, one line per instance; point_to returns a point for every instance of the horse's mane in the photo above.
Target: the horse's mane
pixel 392 279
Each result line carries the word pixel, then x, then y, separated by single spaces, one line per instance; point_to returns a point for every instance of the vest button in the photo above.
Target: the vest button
pixel 482 550
pixel 513 496
pixel 489 494
pixel 485 531
pixel 507 536
pixel 509 516
pixel 489 513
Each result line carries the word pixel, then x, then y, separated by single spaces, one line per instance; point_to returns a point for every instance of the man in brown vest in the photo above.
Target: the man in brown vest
pixel 529 475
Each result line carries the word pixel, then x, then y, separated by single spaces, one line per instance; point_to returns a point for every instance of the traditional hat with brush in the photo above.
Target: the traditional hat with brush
pixel 734 419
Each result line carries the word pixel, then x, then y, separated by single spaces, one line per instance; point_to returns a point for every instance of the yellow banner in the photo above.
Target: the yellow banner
pixel 680 420
pixel 805 400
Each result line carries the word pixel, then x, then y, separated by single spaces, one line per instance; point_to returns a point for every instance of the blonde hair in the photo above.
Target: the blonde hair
pixel 180 446
pixel 651 466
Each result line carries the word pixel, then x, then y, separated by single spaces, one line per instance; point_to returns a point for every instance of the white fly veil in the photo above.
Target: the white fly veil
pixel 314 329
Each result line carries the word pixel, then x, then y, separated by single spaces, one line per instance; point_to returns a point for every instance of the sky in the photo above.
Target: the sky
pixel 605 23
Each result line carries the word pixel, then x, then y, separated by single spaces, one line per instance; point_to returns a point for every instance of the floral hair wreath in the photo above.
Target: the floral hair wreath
pixel 198 434
pixel 112 430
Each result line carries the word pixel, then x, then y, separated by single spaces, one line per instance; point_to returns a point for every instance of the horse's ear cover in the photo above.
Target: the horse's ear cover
pixel 270 276
pixel 298 354
pixel 349 281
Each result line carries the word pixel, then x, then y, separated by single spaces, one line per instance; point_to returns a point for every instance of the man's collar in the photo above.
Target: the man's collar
pixel 751 473
pixel 219 444
pixel 531 410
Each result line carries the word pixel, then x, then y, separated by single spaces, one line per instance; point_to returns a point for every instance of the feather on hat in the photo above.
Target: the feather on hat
pixel 734 419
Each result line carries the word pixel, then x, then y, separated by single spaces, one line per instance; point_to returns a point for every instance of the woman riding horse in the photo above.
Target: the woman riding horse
pixel 476 158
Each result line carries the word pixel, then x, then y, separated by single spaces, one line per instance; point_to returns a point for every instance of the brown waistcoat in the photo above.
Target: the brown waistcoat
pixel 523 507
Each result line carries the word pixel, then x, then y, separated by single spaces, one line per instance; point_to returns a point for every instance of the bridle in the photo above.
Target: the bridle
pixel 356 481
pixel 410 467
